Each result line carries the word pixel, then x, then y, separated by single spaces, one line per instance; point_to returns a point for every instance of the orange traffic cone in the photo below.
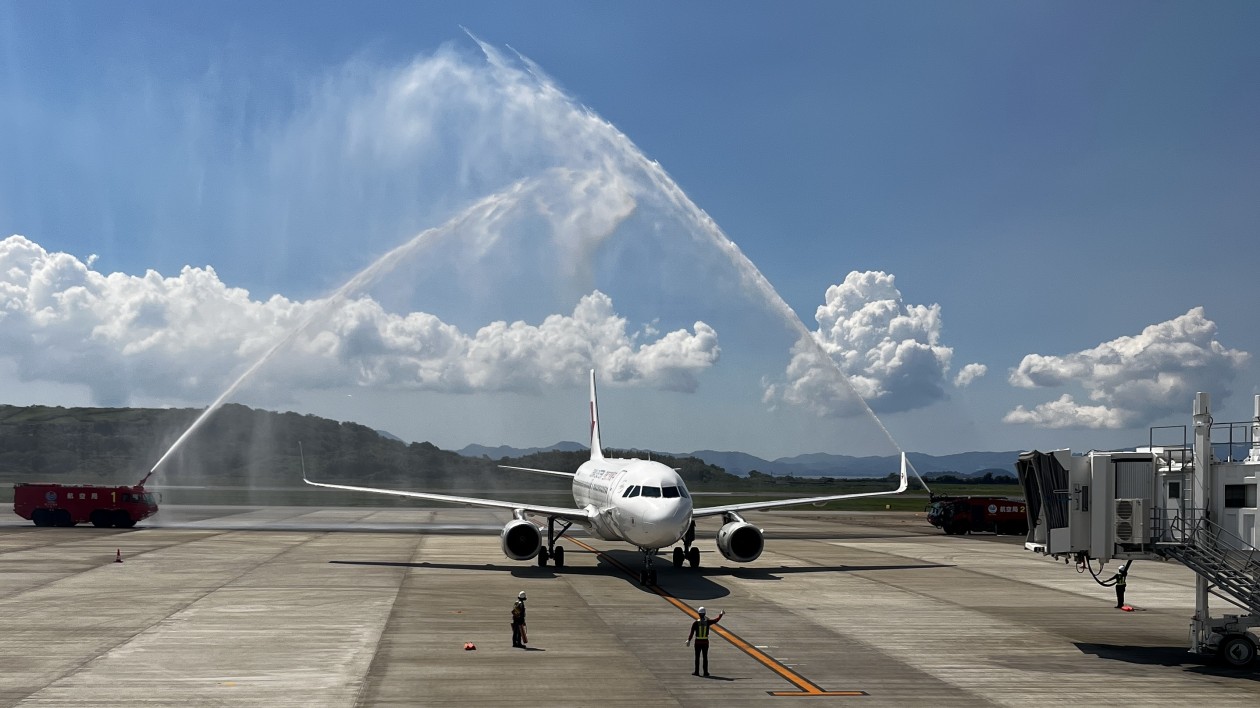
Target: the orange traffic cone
pixel 118 555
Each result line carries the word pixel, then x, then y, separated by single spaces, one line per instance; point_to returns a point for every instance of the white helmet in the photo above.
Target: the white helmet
pixel 520 595
pixel 700 610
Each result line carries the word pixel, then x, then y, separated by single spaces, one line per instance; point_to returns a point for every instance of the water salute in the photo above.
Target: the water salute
pixel 413 355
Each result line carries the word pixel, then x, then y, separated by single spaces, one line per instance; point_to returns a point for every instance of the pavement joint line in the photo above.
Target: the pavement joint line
pixel 805 686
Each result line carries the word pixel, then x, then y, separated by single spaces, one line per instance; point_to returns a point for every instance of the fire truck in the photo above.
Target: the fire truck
pixel 961 515
pixel 70 504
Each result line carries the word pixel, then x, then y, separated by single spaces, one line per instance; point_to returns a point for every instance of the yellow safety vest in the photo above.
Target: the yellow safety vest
pixel 702 632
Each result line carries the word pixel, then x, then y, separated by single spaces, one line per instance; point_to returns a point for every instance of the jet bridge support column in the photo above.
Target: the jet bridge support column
pixel 1203 485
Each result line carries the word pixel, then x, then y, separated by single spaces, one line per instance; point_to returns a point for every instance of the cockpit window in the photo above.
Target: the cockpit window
pixel 633 491
pixel 651 491
pixel 669 492
pixel 683 492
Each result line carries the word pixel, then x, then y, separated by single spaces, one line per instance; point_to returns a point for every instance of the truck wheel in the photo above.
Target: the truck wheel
pixel 101 519
pixel 123 520
pixel 1238 651
pixel 40 517
pixel 62 518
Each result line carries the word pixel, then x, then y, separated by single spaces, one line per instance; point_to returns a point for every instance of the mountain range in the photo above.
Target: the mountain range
pixel 816 464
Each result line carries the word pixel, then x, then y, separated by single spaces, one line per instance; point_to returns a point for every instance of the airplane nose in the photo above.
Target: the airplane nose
pixel 660 522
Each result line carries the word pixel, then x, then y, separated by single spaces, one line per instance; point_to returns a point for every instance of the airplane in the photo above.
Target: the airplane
pixel 641 502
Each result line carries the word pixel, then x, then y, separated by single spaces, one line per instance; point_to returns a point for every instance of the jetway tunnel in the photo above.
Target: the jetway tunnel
pixel 1190 503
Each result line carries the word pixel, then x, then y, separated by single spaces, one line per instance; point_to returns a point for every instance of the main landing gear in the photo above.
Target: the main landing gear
pixel 689 553
pixel 551 551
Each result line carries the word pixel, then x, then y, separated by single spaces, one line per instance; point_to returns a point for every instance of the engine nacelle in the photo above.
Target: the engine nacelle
pixel 740 541
pixel 521 540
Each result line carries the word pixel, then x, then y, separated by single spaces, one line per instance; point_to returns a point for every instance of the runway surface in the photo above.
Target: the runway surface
pixel 288 606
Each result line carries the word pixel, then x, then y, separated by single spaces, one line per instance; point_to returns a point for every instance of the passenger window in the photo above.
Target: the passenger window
pixel 670 492
pixel 651 491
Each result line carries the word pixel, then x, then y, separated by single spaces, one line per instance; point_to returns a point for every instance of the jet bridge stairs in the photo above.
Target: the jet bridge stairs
pixel 1230 565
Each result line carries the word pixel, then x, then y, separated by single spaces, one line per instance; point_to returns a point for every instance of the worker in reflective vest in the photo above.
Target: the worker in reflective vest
pixel 1121 578
pixel 700 630
pixel 519 639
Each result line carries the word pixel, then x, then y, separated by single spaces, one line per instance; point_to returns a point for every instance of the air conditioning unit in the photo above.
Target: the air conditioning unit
pixel 1132 522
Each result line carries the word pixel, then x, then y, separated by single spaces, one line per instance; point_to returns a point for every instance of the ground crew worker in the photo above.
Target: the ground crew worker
pixel 700 630
pixel 1121 578
pixel 518 621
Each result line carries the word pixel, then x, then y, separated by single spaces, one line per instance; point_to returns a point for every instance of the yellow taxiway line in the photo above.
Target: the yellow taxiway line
pixel 804 686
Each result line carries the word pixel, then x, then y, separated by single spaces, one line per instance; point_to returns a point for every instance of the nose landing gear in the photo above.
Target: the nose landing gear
pixel 647 576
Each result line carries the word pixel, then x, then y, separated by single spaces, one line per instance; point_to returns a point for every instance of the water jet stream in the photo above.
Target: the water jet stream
pixel 484 208
pixel 750 275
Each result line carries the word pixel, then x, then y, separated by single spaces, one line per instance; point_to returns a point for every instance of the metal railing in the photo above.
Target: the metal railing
pixel 1228 562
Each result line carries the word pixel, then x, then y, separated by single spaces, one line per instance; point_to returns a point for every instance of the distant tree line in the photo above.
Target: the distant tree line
pixel 238 445
pixel 989 477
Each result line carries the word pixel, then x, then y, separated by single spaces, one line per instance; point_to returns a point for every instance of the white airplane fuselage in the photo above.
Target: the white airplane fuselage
pixel 656 515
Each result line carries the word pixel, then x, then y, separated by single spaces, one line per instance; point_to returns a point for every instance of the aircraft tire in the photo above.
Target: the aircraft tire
pixel 678 557
pixel 542 557
pixel 557 556
pixel 693 557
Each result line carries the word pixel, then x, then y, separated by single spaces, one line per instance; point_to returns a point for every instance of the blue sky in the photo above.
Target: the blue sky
pixel 1035 219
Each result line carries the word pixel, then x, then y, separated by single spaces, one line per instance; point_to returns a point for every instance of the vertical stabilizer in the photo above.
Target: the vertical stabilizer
pixel 597 451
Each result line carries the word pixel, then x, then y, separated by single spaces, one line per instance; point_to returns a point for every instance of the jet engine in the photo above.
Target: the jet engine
pixel 521 540
pixel 740 541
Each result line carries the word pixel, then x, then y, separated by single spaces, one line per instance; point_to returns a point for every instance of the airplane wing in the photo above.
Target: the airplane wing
pixel 754 506
pixel 557 473
pixel 581 516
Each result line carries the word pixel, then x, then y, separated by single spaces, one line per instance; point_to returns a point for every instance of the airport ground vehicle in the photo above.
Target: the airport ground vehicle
pixel 960 515
pixel 70 504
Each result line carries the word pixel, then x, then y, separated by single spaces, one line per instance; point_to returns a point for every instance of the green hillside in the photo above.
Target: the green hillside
pixel 245 456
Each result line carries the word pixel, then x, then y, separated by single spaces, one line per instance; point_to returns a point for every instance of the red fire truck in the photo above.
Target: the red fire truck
pixel 70 504
pixel 960 515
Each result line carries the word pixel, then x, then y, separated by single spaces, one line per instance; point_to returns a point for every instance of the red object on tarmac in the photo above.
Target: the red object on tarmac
pixel 1127 608
pixel 962 515
pixel 70 504
pixel 469 646
pixel 118 555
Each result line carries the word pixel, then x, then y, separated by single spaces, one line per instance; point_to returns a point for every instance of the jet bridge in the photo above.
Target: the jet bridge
pixel 1192 501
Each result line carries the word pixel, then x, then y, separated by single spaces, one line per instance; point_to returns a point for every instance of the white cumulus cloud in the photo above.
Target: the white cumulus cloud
pixel 1132 380
pixel 184 338
pixel 889 350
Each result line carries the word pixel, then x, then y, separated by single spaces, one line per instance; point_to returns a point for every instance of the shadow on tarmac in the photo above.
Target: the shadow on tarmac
pixel 684 583
pixel 1168 656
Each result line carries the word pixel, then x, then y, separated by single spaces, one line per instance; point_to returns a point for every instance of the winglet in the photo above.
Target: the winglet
pixel 597 451
pixel 905 478
pixel 302 456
